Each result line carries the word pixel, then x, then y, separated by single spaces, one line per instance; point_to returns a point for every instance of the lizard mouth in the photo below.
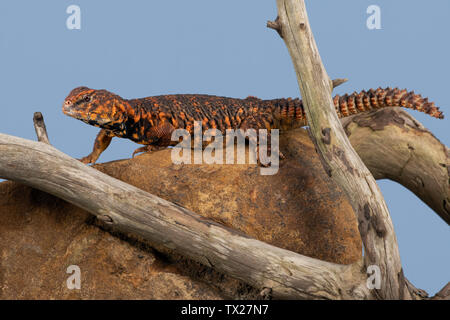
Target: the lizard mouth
pixel 96 122
pixel 67 111
pixel 90 118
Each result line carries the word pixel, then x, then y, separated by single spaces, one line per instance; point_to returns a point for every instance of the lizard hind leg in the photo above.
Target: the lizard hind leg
pixel 263 144
pixel 266 151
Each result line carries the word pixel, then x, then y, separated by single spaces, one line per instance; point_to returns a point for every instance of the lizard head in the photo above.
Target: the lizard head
pixel 99 108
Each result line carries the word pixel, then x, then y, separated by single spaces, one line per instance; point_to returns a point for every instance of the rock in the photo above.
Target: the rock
pixel 299 209
pixel 40 236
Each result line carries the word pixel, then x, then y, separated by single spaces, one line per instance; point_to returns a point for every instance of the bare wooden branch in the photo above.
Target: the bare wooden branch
pixel 276 26
pixel 416 294
pixel 443 294
pixel 395 146
pixel 344 165
pixel 39 126
pixel 129 209
pixel 338 82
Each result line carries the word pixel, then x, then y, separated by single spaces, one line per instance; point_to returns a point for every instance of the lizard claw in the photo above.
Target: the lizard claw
pixel 140 150
pixel 147 148
pixel 87 160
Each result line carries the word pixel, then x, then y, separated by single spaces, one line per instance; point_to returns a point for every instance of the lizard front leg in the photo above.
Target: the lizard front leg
pixel 102 142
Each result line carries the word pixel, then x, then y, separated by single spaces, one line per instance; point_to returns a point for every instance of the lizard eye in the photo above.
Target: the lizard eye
pixel 87 98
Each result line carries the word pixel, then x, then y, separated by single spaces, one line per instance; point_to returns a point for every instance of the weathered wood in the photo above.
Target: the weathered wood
pixel 129 209
pixel 340 159
pixel 443 294
pixel 395 146
pixel 337 82
pixel 39 126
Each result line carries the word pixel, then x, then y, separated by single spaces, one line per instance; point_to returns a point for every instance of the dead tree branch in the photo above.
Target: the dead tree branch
pixel 39 126
pixel 341 160
pixel 395 146
pixel 337 82
pixel 443 294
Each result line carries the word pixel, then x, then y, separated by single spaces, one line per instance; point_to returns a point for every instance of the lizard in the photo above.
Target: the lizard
pixel 150 121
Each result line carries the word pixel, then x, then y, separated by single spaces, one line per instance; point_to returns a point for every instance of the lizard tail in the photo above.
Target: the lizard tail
pixel 363 101
pixel 347 105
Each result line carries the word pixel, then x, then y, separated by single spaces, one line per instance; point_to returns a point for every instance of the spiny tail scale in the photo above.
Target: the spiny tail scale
pixel 363 101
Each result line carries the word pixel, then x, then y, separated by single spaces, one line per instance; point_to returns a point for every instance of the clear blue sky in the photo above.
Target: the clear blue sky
pixel 144 48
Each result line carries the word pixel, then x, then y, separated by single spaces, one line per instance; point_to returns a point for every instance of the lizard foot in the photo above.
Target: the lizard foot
pixel 147 148
pixel 88 160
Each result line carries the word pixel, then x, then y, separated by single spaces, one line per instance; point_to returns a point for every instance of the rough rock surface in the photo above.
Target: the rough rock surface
pixel 299 209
